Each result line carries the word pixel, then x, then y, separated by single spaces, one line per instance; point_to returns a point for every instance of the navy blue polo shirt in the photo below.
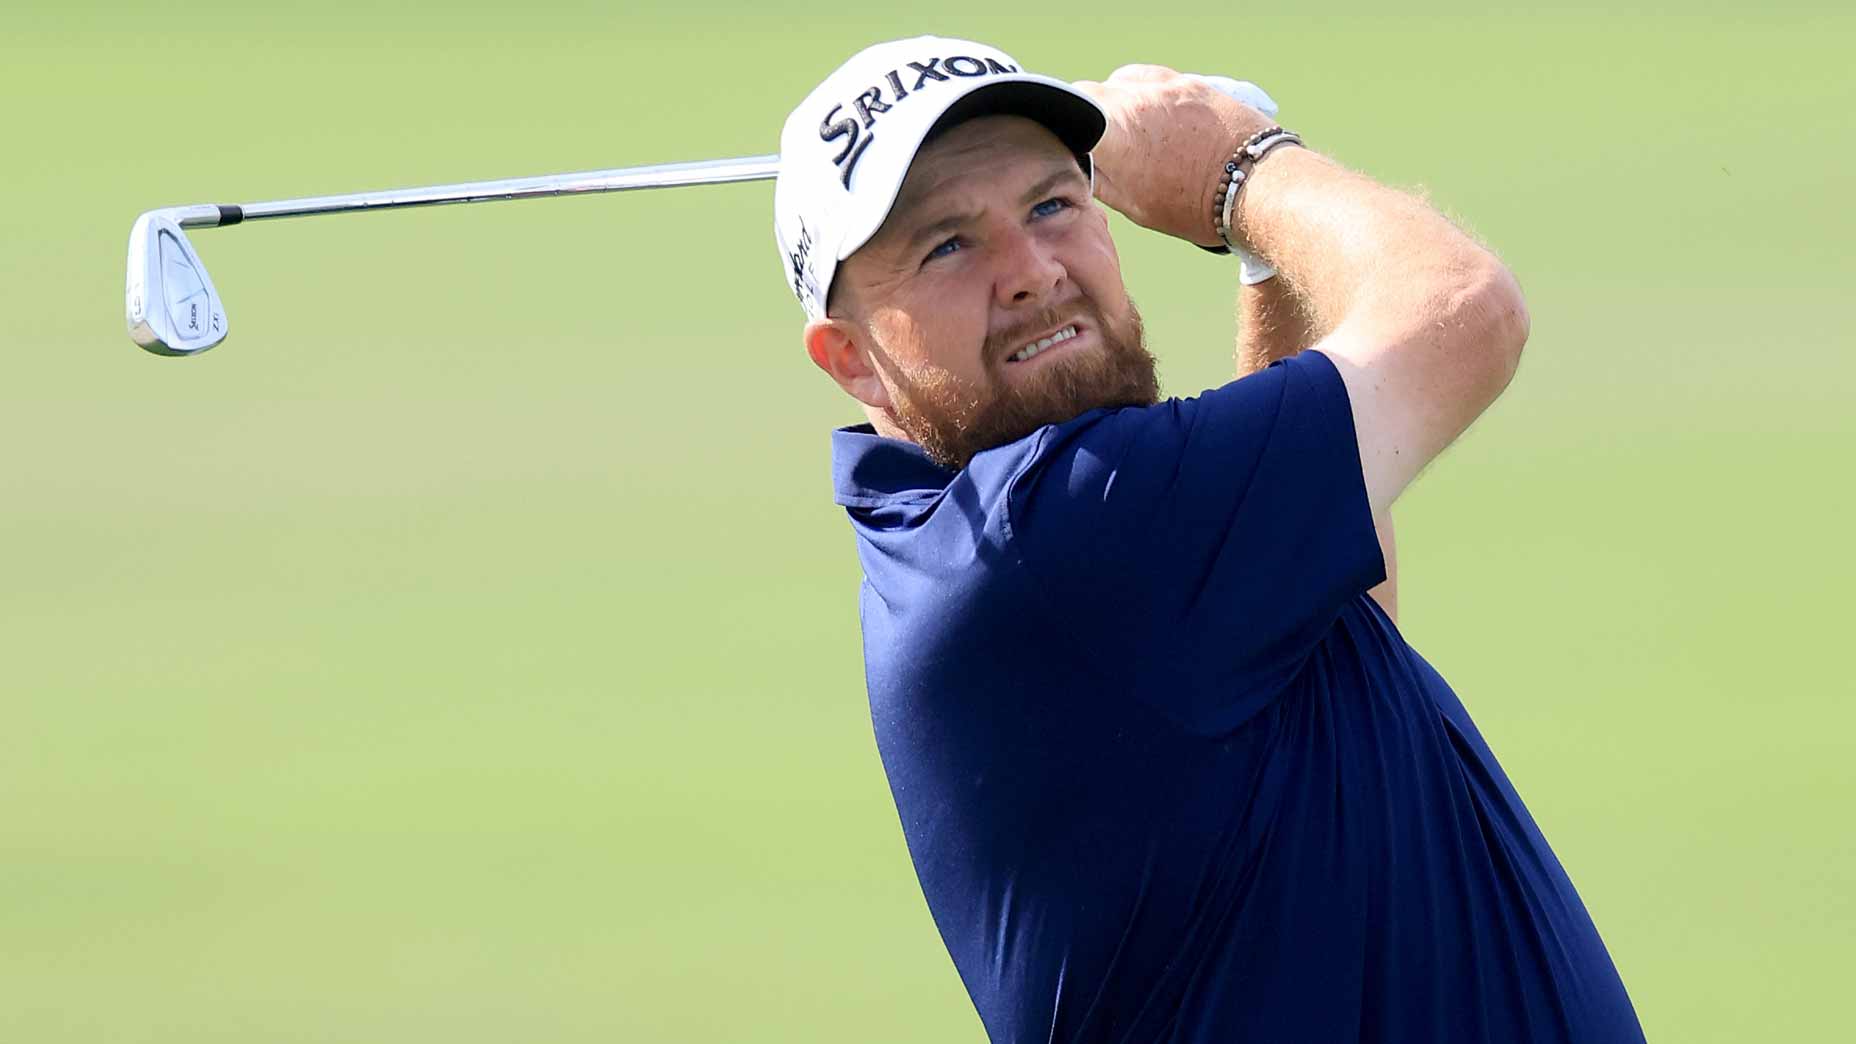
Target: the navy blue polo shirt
pixel 1167 773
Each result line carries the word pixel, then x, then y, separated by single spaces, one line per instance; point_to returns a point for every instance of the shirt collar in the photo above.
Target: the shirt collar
pixel 868 470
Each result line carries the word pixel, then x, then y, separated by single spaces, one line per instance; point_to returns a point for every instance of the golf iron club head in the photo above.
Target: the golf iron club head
pixel 173 308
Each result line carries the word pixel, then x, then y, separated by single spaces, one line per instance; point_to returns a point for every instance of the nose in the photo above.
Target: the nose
pixel 1029 270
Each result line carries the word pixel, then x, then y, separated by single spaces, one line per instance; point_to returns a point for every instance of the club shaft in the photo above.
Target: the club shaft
pixel 620 179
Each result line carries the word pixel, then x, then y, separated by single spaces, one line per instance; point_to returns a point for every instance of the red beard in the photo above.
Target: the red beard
pixel 951 419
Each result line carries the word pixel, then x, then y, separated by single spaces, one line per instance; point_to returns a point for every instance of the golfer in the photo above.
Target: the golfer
pixel 1166 768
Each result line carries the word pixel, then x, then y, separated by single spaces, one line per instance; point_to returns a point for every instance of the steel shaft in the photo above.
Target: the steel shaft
pixel 618 179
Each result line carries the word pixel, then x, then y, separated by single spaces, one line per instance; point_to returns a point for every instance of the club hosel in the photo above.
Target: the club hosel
pixel 203 215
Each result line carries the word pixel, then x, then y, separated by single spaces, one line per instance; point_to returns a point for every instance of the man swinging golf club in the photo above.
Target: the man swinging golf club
pixel 1166 768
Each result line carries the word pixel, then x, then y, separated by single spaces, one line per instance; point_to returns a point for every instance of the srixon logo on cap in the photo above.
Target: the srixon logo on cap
pixel 870 104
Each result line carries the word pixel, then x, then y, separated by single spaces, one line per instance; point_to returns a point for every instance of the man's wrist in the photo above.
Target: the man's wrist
pixel 1258 219
pixel 1237 170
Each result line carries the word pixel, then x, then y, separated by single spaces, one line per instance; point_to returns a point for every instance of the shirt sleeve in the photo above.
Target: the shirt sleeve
pixel 1205 544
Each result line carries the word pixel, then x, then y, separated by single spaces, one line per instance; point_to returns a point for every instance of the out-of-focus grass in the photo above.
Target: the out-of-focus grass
pixel 467 648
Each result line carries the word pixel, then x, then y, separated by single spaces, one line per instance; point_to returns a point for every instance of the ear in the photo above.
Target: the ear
pixel 835 347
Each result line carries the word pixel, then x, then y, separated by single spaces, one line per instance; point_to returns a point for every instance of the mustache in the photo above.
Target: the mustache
pixel 1020 333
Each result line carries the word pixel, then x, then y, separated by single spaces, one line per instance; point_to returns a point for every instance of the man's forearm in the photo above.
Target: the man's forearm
pixel 1272 324
pixel 1347 243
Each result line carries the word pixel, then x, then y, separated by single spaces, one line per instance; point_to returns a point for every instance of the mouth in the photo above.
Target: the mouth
pixel 1040 345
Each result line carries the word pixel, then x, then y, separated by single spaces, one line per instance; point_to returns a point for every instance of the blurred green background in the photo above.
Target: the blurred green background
pixel 467 649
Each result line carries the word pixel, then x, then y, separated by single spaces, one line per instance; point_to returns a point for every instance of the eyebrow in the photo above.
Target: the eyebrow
pixel 1034 194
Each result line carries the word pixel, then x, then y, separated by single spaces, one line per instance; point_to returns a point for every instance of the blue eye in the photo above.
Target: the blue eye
pixel 1050 206
pixel 944 249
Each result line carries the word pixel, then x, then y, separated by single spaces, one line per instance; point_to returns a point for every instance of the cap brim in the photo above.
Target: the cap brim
pixel 1074 117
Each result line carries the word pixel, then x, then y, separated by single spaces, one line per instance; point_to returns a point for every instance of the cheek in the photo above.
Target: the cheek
pixel 1104 262
pixel 932 340
pixel 898 335
pixel 1102 278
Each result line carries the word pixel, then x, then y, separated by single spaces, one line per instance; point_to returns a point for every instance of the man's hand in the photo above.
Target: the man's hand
pixel 1169 136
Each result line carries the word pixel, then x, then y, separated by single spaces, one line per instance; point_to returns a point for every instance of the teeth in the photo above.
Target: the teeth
pixel 1030 350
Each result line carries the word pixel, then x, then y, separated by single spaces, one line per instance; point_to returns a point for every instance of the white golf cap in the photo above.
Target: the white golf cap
pixel 846 149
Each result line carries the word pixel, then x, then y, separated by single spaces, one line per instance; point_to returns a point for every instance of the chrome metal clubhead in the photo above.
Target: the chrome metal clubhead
pixel 173 308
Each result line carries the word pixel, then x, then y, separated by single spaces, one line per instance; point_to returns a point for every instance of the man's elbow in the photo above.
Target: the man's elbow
pixel 1493 322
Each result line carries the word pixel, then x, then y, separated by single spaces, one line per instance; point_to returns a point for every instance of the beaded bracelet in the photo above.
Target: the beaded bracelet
pixel 1236 171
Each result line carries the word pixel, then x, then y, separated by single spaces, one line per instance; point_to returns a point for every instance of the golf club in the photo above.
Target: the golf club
pixel 174 309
